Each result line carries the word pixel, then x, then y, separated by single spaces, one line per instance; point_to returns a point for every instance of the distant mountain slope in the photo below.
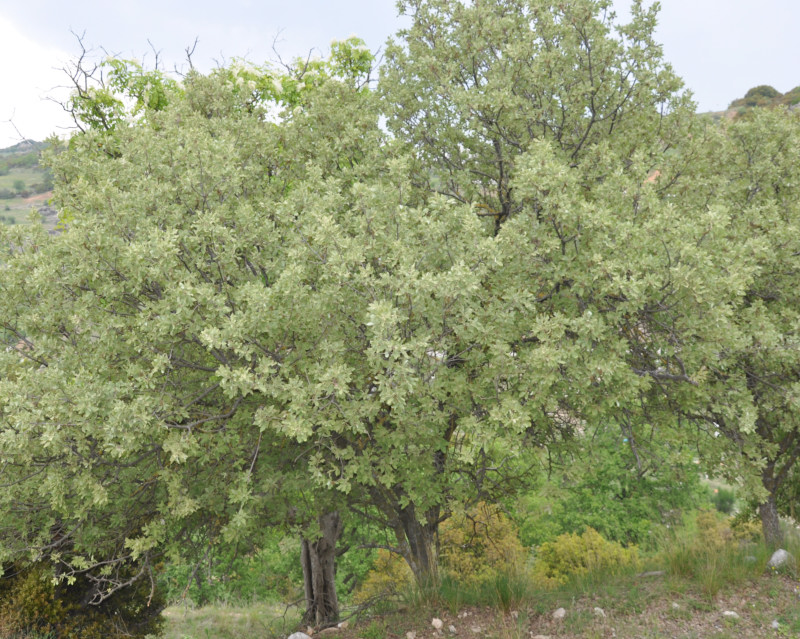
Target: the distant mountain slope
pixel 24 147
pixel 20 172
pixel 766 96
pixel 24 184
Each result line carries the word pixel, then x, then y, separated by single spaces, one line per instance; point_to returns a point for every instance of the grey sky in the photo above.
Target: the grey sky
pixel 720 47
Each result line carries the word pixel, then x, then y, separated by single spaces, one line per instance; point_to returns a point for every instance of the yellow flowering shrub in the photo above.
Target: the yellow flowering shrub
pixel 712 532
pixel 478 545
pixel 570 554
pixel 389 575
pixel 746 529
pixel 474 548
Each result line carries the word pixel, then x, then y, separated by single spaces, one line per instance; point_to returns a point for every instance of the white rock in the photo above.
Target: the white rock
pixel 541 637
pixel 779 558
pixel 559 614
pixel 775 624
pixel 599 612
pixel 299 635
pixel 452 629
pixel 730 614
pixel 477 630
pixel 676 606
pixel 437 623
pixel 411 635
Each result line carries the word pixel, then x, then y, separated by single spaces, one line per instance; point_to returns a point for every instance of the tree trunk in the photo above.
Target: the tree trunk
pixel 319 572
pixel 770 522
pixel 419 544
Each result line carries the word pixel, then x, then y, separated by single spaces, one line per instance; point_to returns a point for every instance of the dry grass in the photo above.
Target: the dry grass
pixel 224 621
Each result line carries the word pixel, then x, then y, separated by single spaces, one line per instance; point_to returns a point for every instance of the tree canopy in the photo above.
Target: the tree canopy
pixel 264 306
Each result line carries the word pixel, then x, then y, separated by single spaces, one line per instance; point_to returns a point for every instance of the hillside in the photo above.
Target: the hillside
pixel 24 184
pixel 761 96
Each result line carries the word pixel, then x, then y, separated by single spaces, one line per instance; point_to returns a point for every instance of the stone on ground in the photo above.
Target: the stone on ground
pixel 779 558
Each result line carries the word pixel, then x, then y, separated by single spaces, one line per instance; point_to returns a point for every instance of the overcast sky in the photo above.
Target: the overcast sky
pixel 720 47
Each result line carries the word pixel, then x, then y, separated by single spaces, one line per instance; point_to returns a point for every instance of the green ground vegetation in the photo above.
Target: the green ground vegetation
pixel 33 181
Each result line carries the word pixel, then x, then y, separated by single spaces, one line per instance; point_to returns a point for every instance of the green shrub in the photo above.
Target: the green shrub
pixel 31 603
pixel 791 98
pixel 723 500
pixel 712 532
pixel 763 91
pixel 239 576
pixel 604 490
pixel 574 555
pixel 762 95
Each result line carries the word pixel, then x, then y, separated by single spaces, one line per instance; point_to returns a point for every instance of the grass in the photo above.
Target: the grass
pixel 225 621
pixel 28 175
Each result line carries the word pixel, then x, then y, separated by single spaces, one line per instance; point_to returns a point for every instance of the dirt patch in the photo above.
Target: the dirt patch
pixel 35 201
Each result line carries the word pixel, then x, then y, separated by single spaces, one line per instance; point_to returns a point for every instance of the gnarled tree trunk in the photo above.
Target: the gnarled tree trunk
pixel 319 572
pixel 418 543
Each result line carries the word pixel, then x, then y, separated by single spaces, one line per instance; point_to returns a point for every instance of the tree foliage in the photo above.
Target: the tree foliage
pixel 117 395
pixel 752 395
pixel 266 309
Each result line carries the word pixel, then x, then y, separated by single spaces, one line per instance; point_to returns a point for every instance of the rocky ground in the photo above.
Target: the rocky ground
pixel 656 609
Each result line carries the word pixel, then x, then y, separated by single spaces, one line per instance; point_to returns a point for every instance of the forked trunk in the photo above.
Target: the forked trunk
pixel 420 545
pixel 319 572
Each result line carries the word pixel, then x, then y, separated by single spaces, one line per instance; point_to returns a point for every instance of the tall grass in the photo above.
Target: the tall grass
pixel 221 621
pixel 711 556
pixel 704 556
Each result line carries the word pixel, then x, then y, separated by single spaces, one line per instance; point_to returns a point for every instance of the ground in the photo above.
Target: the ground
pixel 635 607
